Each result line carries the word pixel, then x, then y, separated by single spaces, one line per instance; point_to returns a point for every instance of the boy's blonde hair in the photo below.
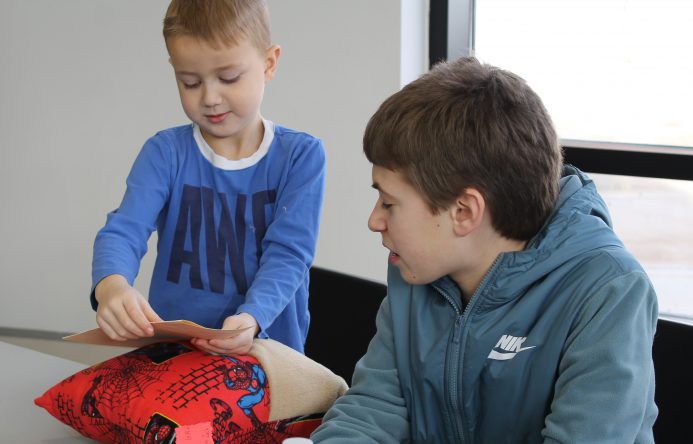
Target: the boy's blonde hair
pixel 219 22
pixel 467 124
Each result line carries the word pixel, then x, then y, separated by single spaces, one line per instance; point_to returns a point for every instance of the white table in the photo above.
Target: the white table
pixel 26 374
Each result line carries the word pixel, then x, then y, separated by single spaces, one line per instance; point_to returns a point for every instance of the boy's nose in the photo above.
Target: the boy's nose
pixel 210 96
pixel 376 222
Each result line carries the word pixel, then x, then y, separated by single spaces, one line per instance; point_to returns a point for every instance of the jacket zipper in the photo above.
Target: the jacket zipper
pixel 454 399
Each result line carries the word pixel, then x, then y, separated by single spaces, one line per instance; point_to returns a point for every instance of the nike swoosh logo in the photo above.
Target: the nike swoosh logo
pixel 498 356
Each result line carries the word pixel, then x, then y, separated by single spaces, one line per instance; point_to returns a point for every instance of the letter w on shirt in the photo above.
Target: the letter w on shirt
pixel 223 241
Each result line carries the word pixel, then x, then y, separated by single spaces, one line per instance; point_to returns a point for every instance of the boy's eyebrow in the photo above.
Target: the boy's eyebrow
pixel 221 68
pixel 185 73
pixel 377 187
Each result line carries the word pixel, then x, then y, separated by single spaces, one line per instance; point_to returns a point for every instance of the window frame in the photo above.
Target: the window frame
pixel 451 35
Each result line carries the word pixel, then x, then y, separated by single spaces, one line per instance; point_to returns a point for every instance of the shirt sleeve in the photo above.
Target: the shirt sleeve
pixel 122 242
pixel 373 410
pixel 288 247
pixel 605 387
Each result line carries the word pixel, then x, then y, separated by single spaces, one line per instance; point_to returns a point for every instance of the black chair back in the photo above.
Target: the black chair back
pixel 673 381
pixel 343 310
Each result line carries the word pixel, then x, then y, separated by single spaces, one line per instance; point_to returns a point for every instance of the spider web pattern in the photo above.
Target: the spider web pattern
pixel 195 383
pixel 127 377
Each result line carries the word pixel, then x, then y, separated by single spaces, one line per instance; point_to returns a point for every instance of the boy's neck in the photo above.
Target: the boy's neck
pixel 489 247
pixel 243 144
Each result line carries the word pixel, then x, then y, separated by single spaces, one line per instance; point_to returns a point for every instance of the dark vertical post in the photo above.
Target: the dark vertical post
pixel 438 32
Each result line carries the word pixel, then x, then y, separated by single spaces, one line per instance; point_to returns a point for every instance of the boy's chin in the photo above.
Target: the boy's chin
pixel 414 279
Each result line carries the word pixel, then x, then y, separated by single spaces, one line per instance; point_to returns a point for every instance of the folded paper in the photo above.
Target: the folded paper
pixel 163 331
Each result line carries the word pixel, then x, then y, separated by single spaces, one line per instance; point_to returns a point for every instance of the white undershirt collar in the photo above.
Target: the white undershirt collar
pixel 226 164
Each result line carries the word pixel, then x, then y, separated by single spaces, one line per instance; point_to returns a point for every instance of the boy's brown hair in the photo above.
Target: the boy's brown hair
pixel 467 124
pixel 219 22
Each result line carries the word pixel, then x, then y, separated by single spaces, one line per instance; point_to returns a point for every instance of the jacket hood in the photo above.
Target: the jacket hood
pixel 579 224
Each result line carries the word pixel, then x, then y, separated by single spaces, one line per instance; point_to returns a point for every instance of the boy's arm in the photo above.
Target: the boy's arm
pixel 605 387
pixel 373 410
pixel 120 245
pixel 288 247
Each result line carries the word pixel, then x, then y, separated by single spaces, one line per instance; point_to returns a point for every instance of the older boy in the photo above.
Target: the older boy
pixel 235 199
pixel 514 313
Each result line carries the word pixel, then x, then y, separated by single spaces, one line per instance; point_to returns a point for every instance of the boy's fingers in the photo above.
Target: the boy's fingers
pixel 225 343
pixel 203 346
pixel 213 346
pixel 122 317
pixel 135 320
pixel 106 321
pixel 231 323
pixel 113 330
pixel 107 329
pixel 241 320
pixel 236 345
pixel 125 329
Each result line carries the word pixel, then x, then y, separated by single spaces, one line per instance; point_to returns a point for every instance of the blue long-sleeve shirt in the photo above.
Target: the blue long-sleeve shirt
pixel 233 236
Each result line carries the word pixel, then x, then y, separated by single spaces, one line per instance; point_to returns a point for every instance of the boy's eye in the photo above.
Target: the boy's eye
pixel 230 80
pixel 188 85
pixel 385 206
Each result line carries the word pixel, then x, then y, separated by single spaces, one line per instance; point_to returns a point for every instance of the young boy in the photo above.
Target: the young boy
pixel 514 313
pixel 235 199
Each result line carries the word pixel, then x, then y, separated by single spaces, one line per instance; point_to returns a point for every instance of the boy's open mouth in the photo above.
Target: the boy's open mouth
pixel 393 257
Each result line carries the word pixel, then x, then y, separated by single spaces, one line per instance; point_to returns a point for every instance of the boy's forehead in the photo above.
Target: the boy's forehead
pixel 213 43
pixel 187 52
pixel 387 181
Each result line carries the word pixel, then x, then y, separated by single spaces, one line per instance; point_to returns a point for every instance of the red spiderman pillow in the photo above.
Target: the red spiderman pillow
pixel 155 393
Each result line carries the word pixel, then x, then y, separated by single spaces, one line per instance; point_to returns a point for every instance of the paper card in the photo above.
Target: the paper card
pixel 164 330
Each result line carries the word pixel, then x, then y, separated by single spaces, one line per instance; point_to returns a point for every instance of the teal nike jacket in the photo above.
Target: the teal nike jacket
pixel 555 346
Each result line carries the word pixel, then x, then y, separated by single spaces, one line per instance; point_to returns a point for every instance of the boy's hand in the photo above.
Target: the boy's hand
pixel 239 344
pixel 123 313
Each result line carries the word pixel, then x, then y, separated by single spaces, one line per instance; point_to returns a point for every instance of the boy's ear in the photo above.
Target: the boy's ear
pixel 271 60
pixel 467 211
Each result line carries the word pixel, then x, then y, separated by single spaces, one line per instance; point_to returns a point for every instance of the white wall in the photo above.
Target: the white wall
pixel 84 82
pixel 340 60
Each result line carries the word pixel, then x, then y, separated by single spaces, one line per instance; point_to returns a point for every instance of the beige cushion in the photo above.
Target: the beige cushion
pixel 297 384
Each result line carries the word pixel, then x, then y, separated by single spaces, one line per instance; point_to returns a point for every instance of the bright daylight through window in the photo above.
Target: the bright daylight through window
pixel 614 71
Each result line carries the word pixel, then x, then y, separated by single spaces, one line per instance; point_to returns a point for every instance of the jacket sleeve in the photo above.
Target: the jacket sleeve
pixel 288 246
pixel 373 410
pixel 604 391
pixel 122 242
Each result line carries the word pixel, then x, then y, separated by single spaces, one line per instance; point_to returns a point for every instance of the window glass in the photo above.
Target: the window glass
pixel 654 219
pixel 613 71
pixel 607 70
